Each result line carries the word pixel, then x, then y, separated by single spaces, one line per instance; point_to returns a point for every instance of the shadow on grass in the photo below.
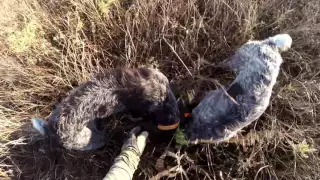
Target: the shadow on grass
pixel 41 159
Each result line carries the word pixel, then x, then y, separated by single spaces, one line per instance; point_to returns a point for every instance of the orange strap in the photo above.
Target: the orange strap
pixel 173 126
pixel 168 127
pixel 187 114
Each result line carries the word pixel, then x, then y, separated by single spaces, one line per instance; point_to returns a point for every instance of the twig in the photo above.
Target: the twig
pixel 172 48
pixel 174 170
pixel 167 172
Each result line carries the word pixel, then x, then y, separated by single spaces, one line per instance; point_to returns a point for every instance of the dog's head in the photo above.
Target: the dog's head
pixel 167 115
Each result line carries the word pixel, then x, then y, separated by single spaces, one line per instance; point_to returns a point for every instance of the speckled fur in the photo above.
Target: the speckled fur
pixel 115 91
pixel 223 112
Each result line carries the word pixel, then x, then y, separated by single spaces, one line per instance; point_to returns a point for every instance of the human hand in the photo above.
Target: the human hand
pixel 127 162
pixel 136 140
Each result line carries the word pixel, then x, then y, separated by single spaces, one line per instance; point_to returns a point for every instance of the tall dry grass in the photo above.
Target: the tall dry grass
pixel 48 47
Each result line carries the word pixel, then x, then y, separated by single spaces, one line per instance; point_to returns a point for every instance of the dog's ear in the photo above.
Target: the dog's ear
pixel 40 125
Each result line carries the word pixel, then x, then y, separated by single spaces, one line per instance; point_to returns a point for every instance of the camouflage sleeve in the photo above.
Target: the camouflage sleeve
pixel 124 166
pixel 127 162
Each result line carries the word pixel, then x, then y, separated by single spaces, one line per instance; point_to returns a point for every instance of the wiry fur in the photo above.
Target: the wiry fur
pixel 140 91
pixel 222 113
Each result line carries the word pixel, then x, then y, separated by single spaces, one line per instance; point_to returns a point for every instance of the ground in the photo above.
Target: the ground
pixel 48 47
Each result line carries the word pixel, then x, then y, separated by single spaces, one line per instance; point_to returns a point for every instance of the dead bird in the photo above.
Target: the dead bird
pixel 223 112
pixel 74 123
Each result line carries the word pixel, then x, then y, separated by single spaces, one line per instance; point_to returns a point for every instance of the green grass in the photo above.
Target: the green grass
pixel 23 40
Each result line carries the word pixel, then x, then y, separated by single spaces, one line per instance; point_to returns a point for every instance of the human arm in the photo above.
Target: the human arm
pixel 127 162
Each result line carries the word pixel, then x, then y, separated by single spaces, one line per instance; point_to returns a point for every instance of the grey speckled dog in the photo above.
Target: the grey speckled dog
pixel 138 91
pixel 222 113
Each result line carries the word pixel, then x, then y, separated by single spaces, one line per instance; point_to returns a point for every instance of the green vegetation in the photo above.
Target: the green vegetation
pixel 180 138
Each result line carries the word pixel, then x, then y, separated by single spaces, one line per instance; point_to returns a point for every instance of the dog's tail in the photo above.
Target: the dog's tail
pixel 282 41
pixel 40 125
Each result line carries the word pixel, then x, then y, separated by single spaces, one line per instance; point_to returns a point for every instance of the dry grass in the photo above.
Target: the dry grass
pixel 48 46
